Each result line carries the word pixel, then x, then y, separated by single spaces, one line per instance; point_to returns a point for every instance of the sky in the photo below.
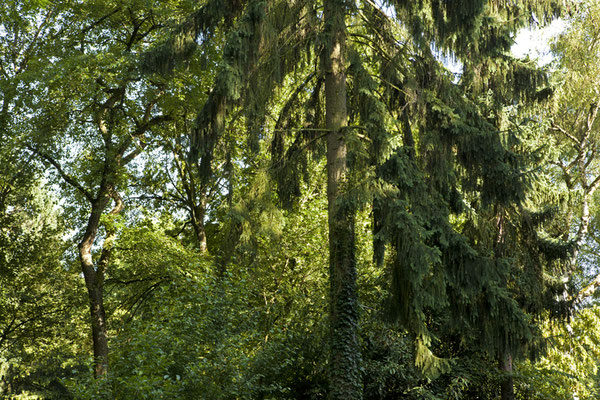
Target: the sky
pixel 535 41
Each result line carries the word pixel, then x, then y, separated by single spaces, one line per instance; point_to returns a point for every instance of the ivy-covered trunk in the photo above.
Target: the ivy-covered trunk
pixel 507 389
pixel 344 369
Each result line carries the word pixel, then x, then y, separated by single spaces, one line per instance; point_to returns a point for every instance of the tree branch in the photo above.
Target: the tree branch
pixel 66 177
pixel 138 133
pixel 28 51
pixel 589 289
pixel 567 134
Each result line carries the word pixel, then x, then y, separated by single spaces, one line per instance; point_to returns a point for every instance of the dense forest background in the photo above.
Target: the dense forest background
pixel 266 199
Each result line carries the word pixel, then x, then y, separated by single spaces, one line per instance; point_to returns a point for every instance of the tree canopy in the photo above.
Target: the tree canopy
pixel 265 199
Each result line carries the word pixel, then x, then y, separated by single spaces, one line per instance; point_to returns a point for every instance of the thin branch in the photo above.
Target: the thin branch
pixel 66 177
pixel 181 174
pixel 592 118
pixel 567 134
pixel 129 282
pixel 132 309
pixel 589 289
pixel 565 170
pixel 88 28
pixel 137 134
pixel 28 52
pixel 594 185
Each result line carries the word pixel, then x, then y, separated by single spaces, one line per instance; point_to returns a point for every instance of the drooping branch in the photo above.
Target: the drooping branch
pixel 182 41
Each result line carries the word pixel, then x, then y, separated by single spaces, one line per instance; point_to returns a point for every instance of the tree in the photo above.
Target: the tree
pixel 415 224
pixel 108 123
pixel 574 128
pixel 283 99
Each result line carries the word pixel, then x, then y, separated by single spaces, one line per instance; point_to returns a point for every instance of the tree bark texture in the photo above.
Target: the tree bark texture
pixel 507 389
pixel 94 277
pixel 344 371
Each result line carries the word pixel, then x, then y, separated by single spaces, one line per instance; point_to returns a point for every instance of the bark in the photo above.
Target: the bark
pixel 94 277
pixel 344 374
pixel 198 224
pixel 507 390
pixel 94 284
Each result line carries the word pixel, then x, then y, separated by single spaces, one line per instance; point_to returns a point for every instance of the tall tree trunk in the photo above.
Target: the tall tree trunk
pixel 94 281
pixel 94 277
pixel 198 213
pixel 507 389
pixel 345 377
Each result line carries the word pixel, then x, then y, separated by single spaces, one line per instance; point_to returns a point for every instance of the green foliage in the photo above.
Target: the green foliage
pixel 38 295
pixel 208 119
pixel 570 367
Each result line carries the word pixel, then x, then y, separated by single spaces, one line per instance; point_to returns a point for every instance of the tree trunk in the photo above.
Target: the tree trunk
pixel 94 281
pixel 94 277
pixel 507 383
pixel 198 213
pixel 200 235
pixel 99 330
pixel 344 373
pixel 507 390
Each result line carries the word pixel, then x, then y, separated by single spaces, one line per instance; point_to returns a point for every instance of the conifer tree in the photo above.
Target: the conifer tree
pixel 400 135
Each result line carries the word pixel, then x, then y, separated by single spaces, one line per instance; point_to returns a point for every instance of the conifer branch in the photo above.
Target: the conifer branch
pixel 290 102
